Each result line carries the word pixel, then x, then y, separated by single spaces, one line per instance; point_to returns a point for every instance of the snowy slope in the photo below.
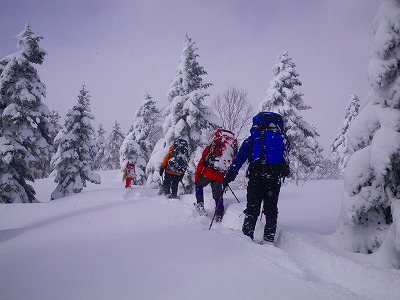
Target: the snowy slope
pixel 108 243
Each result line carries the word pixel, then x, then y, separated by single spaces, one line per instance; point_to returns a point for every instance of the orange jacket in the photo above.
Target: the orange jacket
pixel 206 171
pixel 165 162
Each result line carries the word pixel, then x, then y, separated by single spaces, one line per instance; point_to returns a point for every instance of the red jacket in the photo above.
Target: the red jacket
pixel 205 171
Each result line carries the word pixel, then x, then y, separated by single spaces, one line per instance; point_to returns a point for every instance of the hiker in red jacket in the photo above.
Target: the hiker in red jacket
pixel 214 162
pixel 129 174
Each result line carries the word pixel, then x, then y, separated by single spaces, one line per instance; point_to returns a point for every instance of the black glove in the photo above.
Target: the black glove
pixel 161 171
pixel 229 176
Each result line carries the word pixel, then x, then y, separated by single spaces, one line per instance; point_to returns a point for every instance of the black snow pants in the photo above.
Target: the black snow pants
pixel 262 190
pixel 170 184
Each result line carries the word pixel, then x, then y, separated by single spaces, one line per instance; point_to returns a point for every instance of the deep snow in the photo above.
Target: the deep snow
pixel 112 243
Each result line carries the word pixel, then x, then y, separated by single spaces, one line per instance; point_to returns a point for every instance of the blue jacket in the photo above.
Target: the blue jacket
pixel 242 156
pixel 256 168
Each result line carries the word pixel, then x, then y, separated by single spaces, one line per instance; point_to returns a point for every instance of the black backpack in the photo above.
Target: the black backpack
pixel 179 159
pixel 269 145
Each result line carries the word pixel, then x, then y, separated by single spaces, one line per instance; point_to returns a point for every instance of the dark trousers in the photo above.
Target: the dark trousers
pixel 262 190
pixel 170 184
pixel 217 192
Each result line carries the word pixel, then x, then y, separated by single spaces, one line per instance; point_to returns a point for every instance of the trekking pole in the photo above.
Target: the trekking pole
pixel 215 212
pixel 233 194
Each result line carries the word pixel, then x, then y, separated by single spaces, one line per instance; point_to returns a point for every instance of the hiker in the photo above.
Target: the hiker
pixel 129 174
pixel 214 162
pixel 266 149
pixel 174 165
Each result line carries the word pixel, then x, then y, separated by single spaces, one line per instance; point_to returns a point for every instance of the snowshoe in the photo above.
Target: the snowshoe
pixel 269 239
pixel 218 218
pixel 200 208
pixel 264 242
pixel 219 215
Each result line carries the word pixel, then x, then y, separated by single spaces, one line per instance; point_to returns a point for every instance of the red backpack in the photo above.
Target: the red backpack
pixel 223 150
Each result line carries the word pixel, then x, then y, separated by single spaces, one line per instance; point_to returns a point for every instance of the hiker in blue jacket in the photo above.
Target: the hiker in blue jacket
pixel 265 149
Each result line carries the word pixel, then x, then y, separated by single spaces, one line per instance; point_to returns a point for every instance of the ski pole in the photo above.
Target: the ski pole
pixel 215 212
pixel 233 194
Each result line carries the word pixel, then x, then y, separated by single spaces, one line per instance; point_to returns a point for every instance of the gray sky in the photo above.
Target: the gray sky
pixel 124 49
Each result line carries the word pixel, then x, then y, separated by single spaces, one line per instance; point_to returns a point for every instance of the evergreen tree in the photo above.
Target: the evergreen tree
pixel 326 170
pixel 24 126
pixel 339 153
pixel 372 175
pixel 283 98
pixel 99 149
pixel 54 119
pixel 72 162
pixel 186 116
pixel 111 153
pixel 42 168
pixel 139 143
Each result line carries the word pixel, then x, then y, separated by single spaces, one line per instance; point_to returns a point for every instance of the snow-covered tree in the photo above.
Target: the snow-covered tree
pixel 42 168
pixel 139 143
pixel 73 162
pixel 99 149
pixel 283 98
pixel 54 119
pixel 339 153
pixel 24 124
pixel 372 175
pixel 326 170
pixel 186 116
pixel 113 144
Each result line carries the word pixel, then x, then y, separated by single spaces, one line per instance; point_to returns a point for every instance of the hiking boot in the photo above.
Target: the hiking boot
pixel 248 226
pixel 171 196
pixel 200 208
pixel 269 232
pixel 219 215
pixel 199 205
pixel 269 237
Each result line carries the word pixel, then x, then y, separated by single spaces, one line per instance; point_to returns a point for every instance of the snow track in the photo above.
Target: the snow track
pixel 309 256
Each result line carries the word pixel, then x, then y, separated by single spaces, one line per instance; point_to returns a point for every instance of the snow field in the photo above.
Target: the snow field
pixel 112 243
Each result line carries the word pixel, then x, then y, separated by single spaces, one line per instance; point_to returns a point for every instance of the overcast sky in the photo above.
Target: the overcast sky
pixel 124 49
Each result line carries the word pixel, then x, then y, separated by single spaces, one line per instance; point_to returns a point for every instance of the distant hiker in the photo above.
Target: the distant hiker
pixel 129 174
pixel 266 149
pixel 174 164
pixel 214 162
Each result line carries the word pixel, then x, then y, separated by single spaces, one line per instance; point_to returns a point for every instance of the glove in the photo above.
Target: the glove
pixel 161 171
pixel 229 176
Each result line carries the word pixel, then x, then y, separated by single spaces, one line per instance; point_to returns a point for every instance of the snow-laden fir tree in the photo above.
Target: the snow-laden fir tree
pixel 113 144
pixel 54 119
pixel 139 143
pixel 73 162
pixel 43 168
pixel 339 153
pixel 186 116
pixel 372 174
pixel 282 97
pixel 24 124
pixel 326 170
pixel 99 148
